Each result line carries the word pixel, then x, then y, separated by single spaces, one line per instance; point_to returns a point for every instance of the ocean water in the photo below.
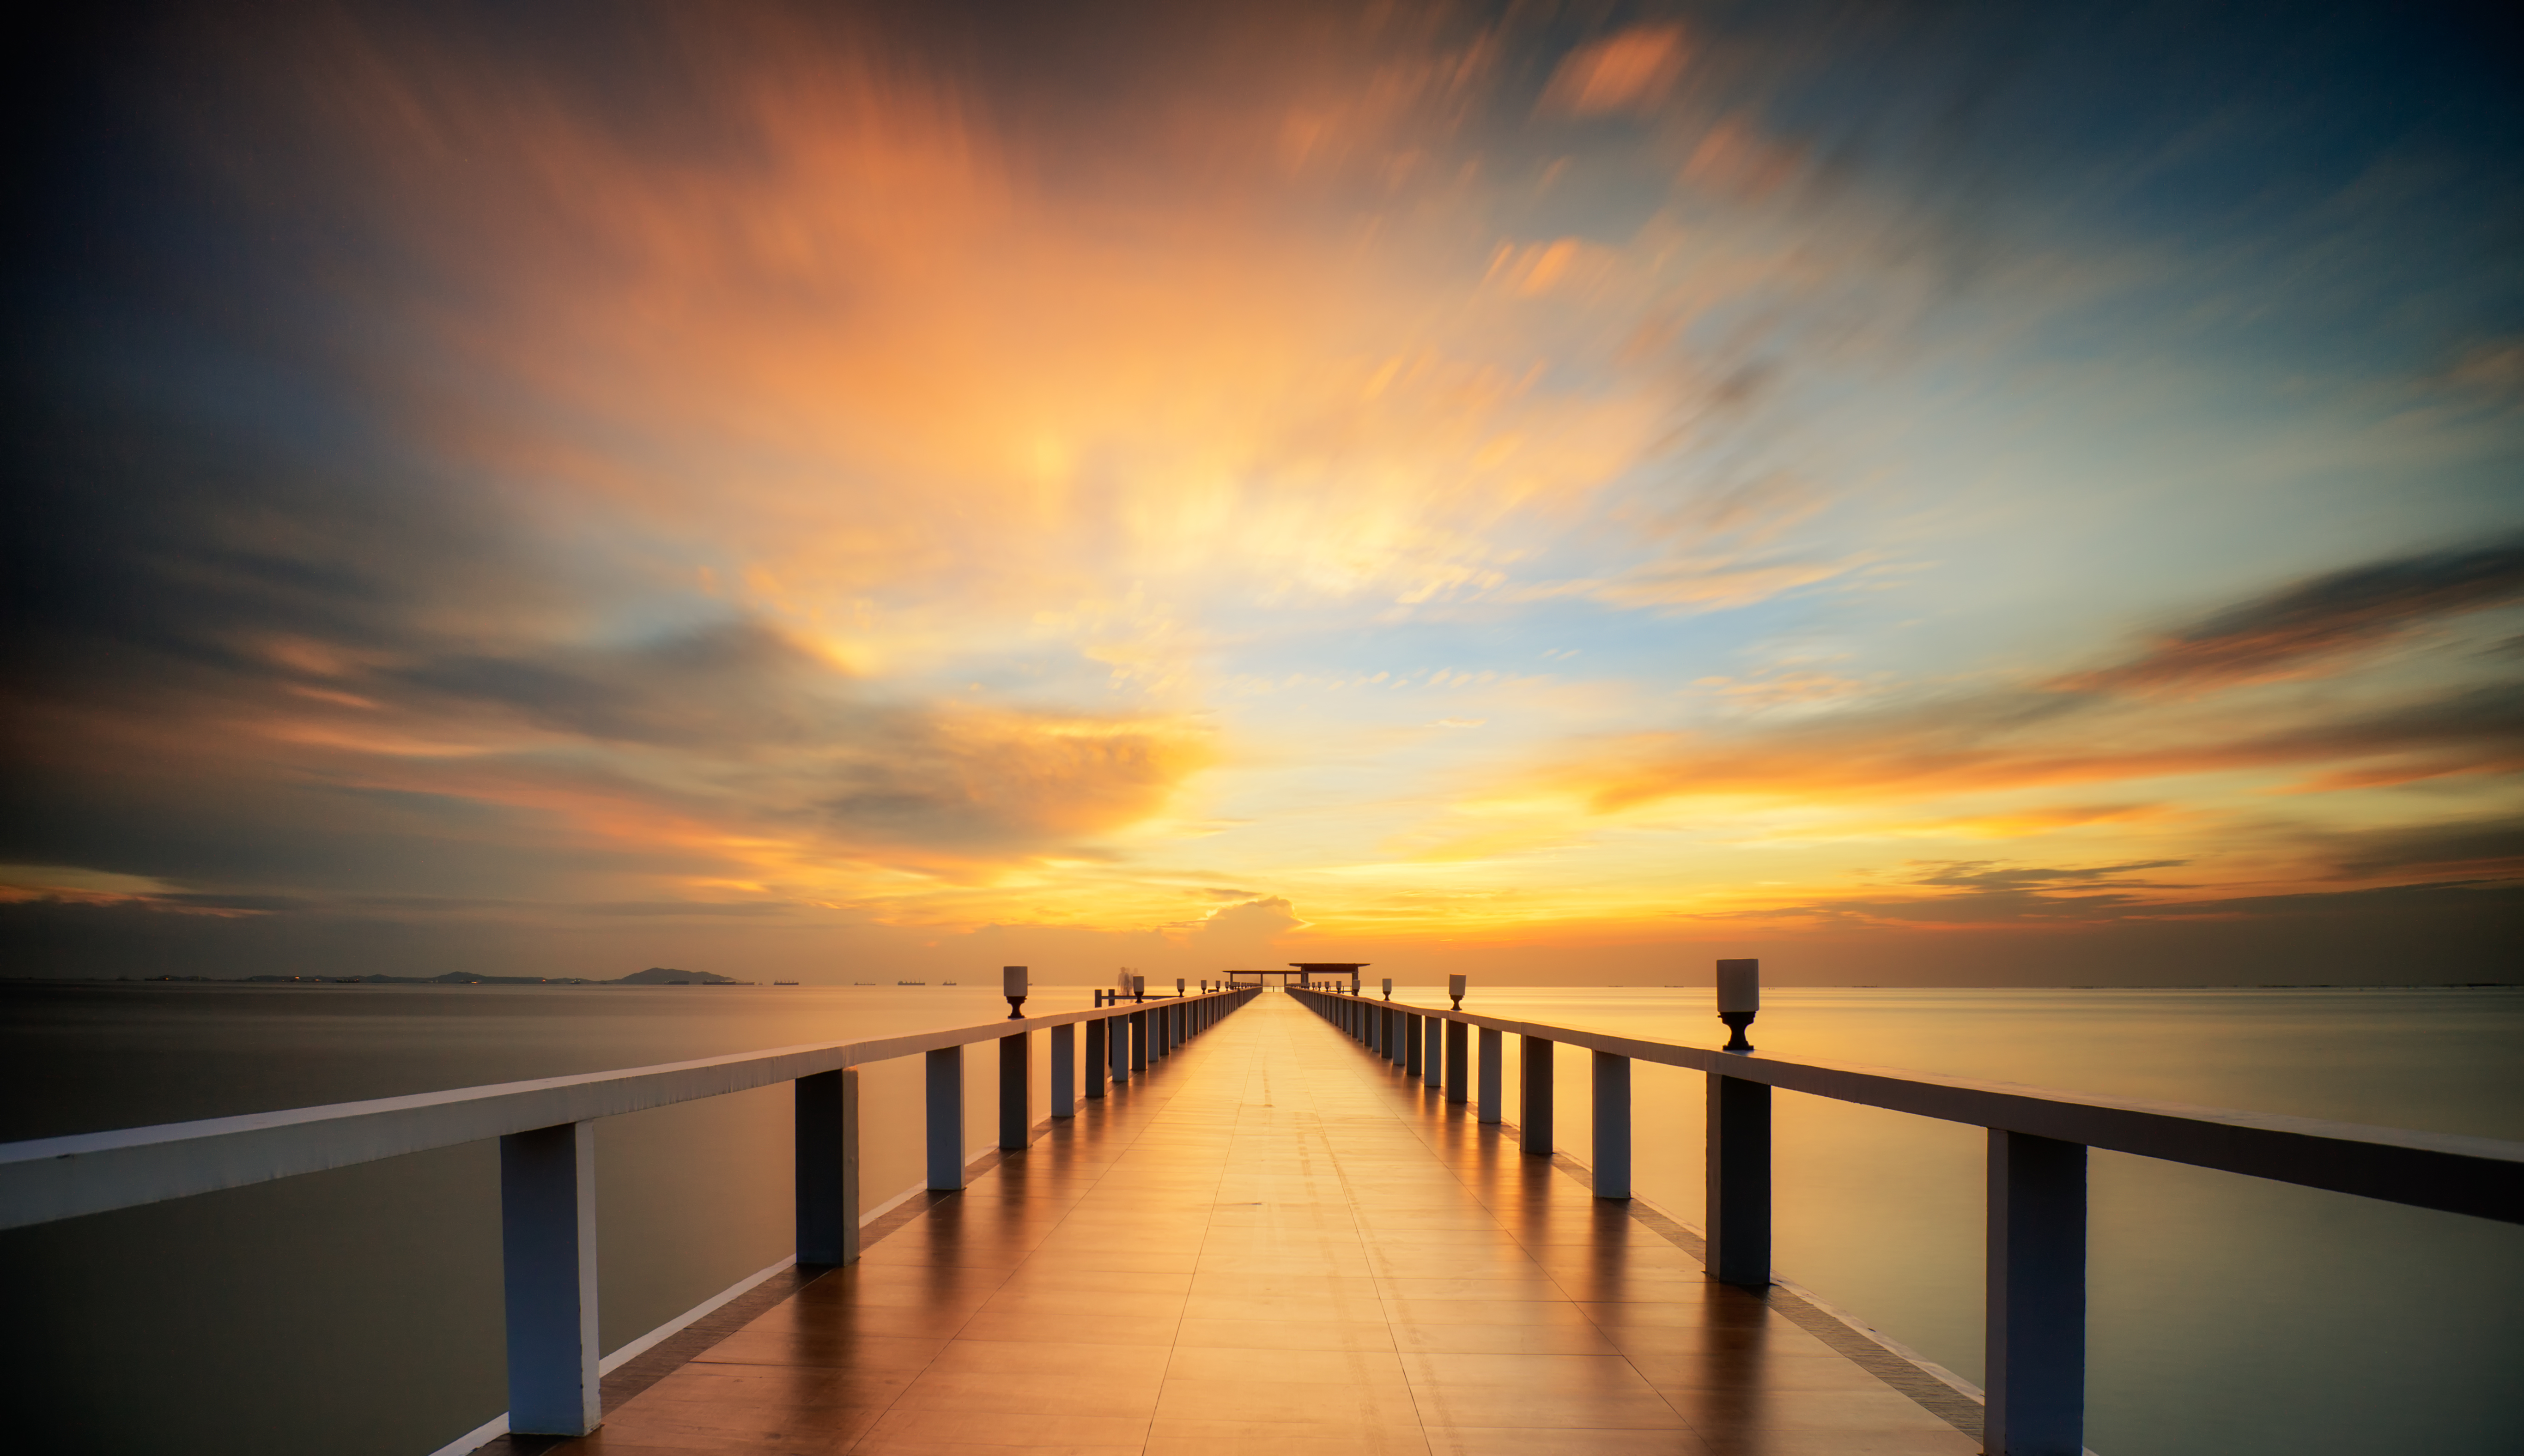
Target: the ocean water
pixel 358 1310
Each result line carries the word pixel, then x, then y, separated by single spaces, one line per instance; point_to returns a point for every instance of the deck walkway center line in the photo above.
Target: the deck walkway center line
pixel 1269 1246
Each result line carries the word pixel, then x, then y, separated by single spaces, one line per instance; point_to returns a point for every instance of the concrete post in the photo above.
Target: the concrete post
pixel 2036 1330
pixel 947 1118
pixel 1611 1126
pixel 1535 1062
pixel 1459 1071
pixel 1410 1044
pixel 1432 1065
pixel 1738 1210
pixel 828 1167
pixel 1118 1048
pixel 1493 1058
pixel 548 1266
pixel 1016 1091
pixel 1096 1057
pixel 1064 1070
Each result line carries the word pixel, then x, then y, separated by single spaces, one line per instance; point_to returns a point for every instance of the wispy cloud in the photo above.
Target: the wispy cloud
pixel 2309 627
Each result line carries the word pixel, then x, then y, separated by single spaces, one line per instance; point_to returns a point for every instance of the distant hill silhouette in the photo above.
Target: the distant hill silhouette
pixel 667 976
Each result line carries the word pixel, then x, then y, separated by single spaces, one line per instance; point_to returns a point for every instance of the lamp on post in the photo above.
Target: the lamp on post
pixel 1389 988
pixel 1455 991
pixel 1012 981
pixel 1179 985
pixel 1739 1000
pixel 1139 988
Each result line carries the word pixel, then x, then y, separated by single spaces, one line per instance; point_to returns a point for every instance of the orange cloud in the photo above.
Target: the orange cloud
pixel 1972 748
pixel 1631 70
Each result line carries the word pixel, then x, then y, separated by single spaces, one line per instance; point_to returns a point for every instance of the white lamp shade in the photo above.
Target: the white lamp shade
pixel 1739 986
pixel 1455 987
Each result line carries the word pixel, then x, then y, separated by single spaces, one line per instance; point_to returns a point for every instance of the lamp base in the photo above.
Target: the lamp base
pixel 1737 1021
pixel 1015 1003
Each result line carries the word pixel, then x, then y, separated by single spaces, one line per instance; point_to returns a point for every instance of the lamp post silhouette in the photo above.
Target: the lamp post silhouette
pixel 1455 991
pixel 1739 1000
pixel 1012 981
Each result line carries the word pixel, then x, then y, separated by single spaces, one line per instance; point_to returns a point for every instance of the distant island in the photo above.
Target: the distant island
pixel 652 976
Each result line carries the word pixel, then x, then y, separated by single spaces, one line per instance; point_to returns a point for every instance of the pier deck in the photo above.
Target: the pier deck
pixel 1273 1244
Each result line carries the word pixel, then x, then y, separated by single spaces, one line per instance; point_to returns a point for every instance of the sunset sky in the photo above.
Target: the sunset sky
pixel 1912 493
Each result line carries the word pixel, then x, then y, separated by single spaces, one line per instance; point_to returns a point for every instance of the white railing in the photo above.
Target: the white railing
pixel 2036 1299
pixel 547 1156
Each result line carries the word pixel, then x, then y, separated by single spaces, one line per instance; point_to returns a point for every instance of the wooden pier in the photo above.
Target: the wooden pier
pixel 1275 1242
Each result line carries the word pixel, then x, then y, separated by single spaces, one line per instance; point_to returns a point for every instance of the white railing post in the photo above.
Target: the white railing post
pixel 548 1264
pixel 1534 1116
pixel 2036 1328
pixel 1739 1181
pixel 1016 1091
pixel 1459 1068
pixel 947 1118
pixel 1611 1126
pixel 1494 1060
pixel 1117 1047
pixel 1432 1064
pixel 828 1167
pixel 1064 1070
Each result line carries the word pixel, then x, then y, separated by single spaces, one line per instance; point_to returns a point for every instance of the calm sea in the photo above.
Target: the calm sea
pixel 358 1310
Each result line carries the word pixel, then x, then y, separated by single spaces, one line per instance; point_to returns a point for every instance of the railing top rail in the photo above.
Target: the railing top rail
pixel 2459 1174
pixel 46 1179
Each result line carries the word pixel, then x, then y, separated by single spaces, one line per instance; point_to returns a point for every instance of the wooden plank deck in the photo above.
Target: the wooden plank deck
pixel 1273 1244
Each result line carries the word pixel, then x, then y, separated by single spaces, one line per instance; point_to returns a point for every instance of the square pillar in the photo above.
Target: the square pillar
pixel 828 1167
pixel 548 1270
pixel 1739 1181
